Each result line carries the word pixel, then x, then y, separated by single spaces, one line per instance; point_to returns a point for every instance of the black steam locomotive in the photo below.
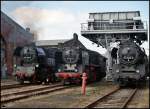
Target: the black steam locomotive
pixel 131 64
pixel 73 61
pixel 35 64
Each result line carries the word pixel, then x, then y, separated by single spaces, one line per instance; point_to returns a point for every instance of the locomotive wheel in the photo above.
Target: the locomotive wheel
pixel 34 78
pixel 53 78
pixel 46 81
pixel 38 82
pixel 31 81
pixel 122 83
pixel 65 82
pixel 19 80
pixel 143 82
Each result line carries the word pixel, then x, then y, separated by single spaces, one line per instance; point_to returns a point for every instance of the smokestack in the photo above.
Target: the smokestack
pixel 75 36
pixel 60 45
pixel 28 29
pixel 35 36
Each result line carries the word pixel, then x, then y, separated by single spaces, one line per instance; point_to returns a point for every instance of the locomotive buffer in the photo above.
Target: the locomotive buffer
pixel 107 29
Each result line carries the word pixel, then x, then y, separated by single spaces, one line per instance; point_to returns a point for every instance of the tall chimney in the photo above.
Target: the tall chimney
pixel 28 29
pixel 60 45
pixel 75 36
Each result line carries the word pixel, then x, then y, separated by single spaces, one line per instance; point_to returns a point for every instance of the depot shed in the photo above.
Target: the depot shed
pixel 12 36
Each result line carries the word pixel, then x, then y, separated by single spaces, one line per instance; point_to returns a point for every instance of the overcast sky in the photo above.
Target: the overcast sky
pixel 60 19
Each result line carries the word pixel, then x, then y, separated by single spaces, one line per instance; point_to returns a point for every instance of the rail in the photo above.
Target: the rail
pixel 123 104
pixel 6 98
pixel 13 86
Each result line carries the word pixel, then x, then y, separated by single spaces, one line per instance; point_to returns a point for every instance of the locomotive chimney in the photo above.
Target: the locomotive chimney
pixel 75 36
pixel 60 45
pixel 28 29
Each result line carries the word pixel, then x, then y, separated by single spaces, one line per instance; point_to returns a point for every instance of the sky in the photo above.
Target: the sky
pixel 60 19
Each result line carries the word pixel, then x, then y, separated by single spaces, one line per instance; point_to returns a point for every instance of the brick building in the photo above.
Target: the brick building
pixel 12 35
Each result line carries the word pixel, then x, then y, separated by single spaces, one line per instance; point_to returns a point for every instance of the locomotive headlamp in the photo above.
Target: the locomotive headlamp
pixel 117 70
pixel 15 66
pixel 137 71
pixel 37 65
pixel 47 80
pixel 76 70
pixel 59 70
pixel 128 48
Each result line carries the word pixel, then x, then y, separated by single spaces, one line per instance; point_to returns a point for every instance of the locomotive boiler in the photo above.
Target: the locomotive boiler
pixel 131 64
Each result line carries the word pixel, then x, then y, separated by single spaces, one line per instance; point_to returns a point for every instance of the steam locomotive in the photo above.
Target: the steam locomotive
pixel 73 61
pixel 131 67
pixel 36 64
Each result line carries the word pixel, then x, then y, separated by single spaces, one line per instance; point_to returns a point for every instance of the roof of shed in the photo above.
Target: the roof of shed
pixel 50 42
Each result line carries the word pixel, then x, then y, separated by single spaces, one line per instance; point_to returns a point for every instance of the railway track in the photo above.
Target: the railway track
pixel 11 97
pixel 118 98
pixel 13 86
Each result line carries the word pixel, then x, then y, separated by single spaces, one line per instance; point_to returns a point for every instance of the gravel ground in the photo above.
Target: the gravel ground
pixel 115 100
pixel 72 97
pixel 25 88
pixel 8 82
pixel 141 98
